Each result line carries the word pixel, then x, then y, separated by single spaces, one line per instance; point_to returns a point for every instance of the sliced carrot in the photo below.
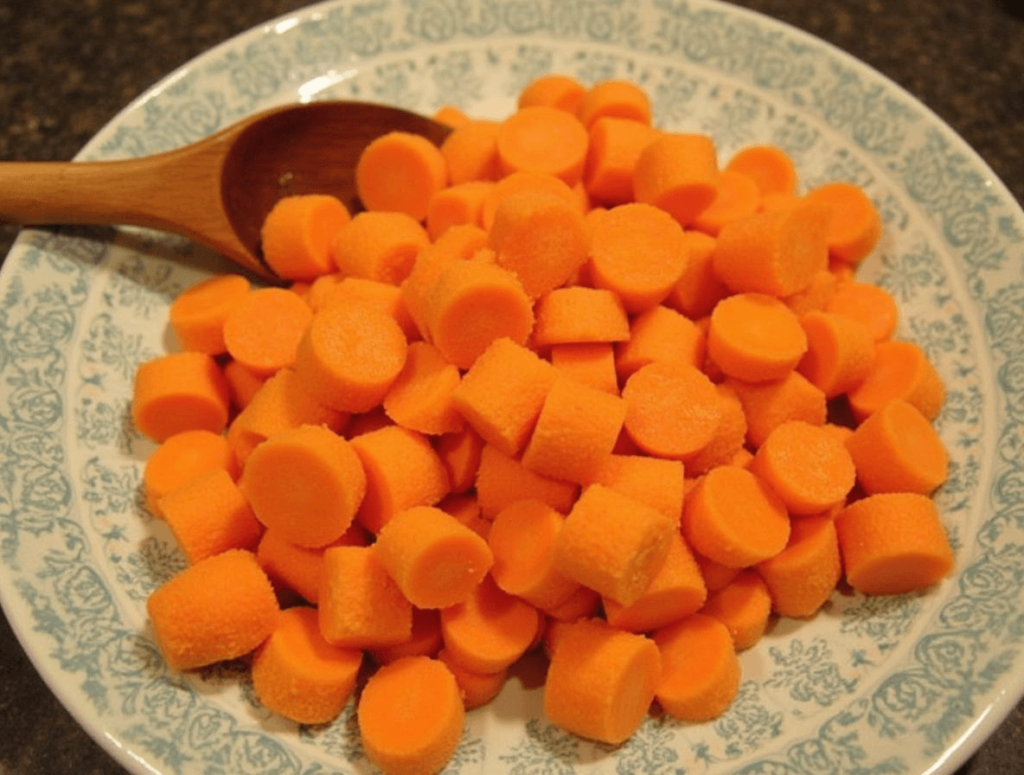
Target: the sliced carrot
pixel 470 152
pixel 870 304
pixel 840 352
pixel 728 440
pixel 242 384
pixel 700 675
pixel 855 225
pixel 554 90
pixel 892 543
pixel 896 449
pixel 296 567
pixel 775 252
pixel 601 681
pixel 638 252
pixel 803 576
pixel 808 467
pixel 465 507
pixel 477 689
pixel 420 398
pixel 744 606
pixel 755 337
pixel 541 138
pixel 737 197
pixel 384 296
pixel 460 454
pixel 734 518
pixel 379 245
pixel 770 167
pixel 411 716
pixel 451 115
pixel 434 559
pixel 655 481
pixel 180 459
pixel 816 296
pixel 424 641
pixel 579 315
pixel 400 171
pixel 298 675
pixel 768 404
pixel 537 182
pixel 584 602
pixel 456 205
pixel 615 145
pixel 677 173
pixel 502 479
pixel 660 334
pixel 615 98
pixel 179 392
pixel 698 289
pixel 901 369
pixel 198 313
pixel 264 329
pixel 714 573
pixel 590 363
pixel 298 234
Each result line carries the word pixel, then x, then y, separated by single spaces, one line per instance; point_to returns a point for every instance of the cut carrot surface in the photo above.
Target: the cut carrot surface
pixel 700 674
pixel 198 313
pixel 554 90
pixel 677 173
pixel 379 246
pixel 264 329
pixel 770 167
pixel 181 458
pixel 755 338
pixel 298 235
pixel 541 138
pixel 180 392
pixel 400 172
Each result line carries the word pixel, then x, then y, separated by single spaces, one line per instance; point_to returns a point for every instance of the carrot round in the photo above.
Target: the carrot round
pixel 728 440
pixel 769 404
pixel 892 543
pixel 298 568
pixel 540 237
pixel 615 98
pixel 660 334
pixel 554 90
pixel 577 314
pixel 615 145
pixel 854 226
pixel 181 458
pixel 590 363
pixel 221 608
pixel 652 480
pixel 460 454
pixel 601 681
pixel 477 689
pixel 896 449
pixel 470 152
pixel 871 304
pixel 744 606
pixel 502 479
pixel 517 182
pixel 379 246
pixel 198 313
pixel 637 251
pixel 803 576
pixel 734 518
pixel 677 173
pixel 671 411
pixel 456 205
pixel 451 115
pixel 242 384
pixel 774 252
pixel 698 289
pixel 298 234
pixel 424 640
pixel 264 329
pixel 737 197
pixel 420 398
pixel 411 716
pixel 434 559
pixel 305 483
pixel 700 675
pixel 179 392
pixel 808 467
pixel 541 138
pixel 840 352
pixel 298 675
pixel 901 370
pixel 755 337
pixel 770 168
pixel 400 171
pixel 375 293
pixel 816 296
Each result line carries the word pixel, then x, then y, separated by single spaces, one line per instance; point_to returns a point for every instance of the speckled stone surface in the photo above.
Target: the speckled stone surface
pixel 68 66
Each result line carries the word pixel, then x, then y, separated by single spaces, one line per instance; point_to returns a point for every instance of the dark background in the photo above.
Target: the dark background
pixel 68 66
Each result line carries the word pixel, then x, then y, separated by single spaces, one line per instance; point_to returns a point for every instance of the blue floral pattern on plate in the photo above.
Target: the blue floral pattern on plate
pixel 872 686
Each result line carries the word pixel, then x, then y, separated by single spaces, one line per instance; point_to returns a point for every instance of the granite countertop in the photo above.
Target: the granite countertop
pixel 66 68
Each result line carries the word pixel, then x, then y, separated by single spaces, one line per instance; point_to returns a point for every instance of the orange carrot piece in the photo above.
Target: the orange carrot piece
pixel 660 334
pixel 306 483
pixel 379 245
pixel 554 90
pixel 425 640
pixel 854 226
pixel 460 454
pixel 264 329
pixel 540 237
pixel 755 337
pixel 768 404
pixel 601 681
pixel 502 479
pixel 896 449
pixel 651 480
pixel 420 398
pixel 840 352
pixel 242 384
pixel 502 393
pixel 472 304
pixel 541 138
pixel 803 576
pixel 465 507
pixel 400 172
pixel 220 608
pixel 871 304
pixel 451 115
pixel 615 98
pixel 314 291
pixel 384 296
pixel 575 432
pixel 518 182
pixel 770 167
pixel 350 356
pixel 576 315
pixel 613 544
pixel 433 558
pixel 411 716
pixel 615 145
pixel 892 543
pixel 470 152
pixel 359 606
pixel 490 630
pixel 677 590
pixel 179 392
pixel 589 363
pixel 637 251
pixel 715 574
pixel 902 370
pixel 584 602
pixel 180 459
pixel 733 517
pixel 298 675
pixel 296 567
pixel 477 689
pixel 777 200
pixel 198 313
pixel 808 467
pixel 816 296
pixel 522 538
pixel 738 197
pixel 700 674
pixel 456 205
pixel 744 606
pixel 677 173
pixel 671 411
pixel 298 234
pixel 698 289
pixel 209 515
pixel 774 252
pixel 729 437
pixel 281 403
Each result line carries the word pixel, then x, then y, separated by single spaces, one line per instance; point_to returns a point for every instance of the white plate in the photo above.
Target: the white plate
pixel 909 684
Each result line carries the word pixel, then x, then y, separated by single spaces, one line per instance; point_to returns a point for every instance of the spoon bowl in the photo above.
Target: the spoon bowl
pixel 219 190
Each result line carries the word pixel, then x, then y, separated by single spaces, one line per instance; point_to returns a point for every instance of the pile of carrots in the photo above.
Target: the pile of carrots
pixel 565 383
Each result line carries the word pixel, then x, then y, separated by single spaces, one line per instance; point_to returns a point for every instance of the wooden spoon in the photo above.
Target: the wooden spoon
pixel 216 191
